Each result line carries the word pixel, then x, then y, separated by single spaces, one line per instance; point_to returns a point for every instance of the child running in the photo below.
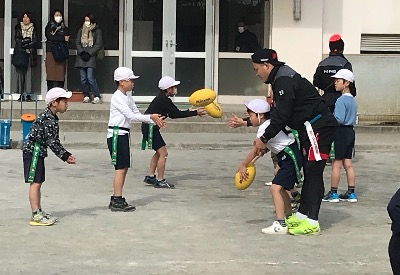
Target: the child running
pixel 44 133
pixel 345 113
pixel 123 112
pixel 162 104
pixel 290 162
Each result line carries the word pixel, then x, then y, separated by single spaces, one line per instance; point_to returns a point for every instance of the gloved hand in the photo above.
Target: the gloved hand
pixel 85 56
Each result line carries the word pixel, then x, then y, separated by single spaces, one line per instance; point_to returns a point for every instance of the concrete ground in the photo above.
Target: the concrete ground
pixel 204 226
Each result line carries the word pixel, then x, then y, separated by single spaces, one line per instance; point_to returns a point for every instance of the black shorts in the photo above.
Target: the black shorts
pixel 344 142
pixel 158 140
pixel 286 176
pixel 123 151
pixel 40 171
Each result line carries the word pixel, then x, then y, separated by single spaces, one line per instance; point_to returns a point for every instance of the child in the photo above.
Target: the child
pixel 163 105
pixel 345 113
pixel 44 133
pixel 123 111
pixel 289 159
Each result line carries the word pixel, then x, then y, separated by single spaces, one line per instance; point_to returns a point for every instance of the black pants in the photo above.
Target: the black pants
pixel 52 84
pixel 394 253
pixel 313 185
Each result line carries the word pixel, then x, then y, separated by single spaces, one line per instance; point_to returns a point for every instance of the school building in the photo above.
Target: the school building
pixel 194 41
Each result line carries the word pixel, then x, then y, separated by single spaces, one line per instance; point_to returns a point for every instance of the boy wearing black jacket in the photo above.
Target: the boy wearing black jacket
pixel 163 105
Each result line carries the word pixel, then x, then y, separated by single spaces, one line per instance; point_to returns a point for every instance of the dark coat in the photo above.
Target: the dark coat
pixel 57 37
pixel 92 51
pixel 30 45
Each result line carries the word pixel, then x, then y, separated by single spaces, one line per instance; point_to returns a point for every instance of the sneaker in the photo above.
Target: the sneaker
pixel 297 197
pixel 150 180
pixel 331 197
pixel 305 229
pixel 163 184
pixel 97 100
pixel 86 99
pixel 350 197
pixel 49 216
pixel 40 220
pixel 292 221
pixel 268 183
pixel 275 228
pixel 295 206
pixel 120 205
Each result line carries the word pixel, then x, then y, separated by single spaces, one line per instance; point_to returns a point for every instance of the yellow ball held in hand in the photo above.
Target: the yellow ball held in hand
pixel 214 110
pixel 242 184
pixel 202 97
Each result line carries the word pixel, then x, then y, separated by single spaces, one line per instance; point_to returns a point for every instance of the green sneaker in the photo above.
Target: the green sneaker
pixel 305 228
pixel 292 221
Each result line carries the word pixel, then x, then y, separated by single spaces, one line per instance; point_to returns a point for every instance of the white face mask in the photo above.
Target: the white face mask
pixel 58 19
pixel 240 29
pixel 87 23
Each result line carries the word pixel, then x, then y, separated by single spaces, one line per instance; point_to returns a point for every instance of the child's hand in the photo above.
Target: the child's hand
pixel 158 120
pixel 201 111
pixel 235 122
pixel 243 172
pixel 71 160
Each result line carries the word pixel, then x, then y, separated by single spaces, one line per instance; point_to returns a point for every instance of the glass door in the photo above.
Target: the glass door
pixel 170 38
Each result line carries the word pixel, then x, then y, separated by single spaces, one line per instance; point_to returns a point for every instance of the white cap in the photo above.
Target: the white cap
pixel 167 82
pixel 55 93
pixel 344 74
pixel 258 106
pixel 124 73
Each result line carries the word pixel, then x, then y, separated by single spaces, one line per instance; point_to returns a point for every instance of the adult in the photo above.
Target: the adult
pixel 245 41
pixel 57 36
pixel 88 42
pixel 26 43
pixel 393 209
pixel 330 66
pixel 299 106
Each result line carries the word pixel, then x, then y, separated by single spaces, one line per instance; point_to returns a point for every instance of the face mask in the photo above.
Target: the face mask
pixel 240 29
pixel 58 19
pixel 87 23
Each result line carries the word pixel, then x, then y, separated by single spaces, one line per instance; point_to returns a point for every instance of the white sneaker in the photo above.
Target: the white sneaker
pixel 97 100
pixel 275 228
pixel 86 99
pixel 268 183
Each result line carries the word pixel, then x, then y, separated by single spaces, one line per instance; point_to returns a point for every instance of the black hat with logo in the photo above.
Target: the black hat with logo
pixel 266 56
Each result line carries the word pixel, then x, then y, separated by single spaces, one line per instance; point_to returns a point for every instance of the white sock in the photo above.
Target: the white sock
pixel 312 222
pixel 301 216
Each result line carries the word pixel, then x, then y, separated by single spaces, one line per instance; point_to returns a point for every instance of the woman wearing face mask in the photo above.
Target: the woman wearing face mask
pixel 245 41
pixel 163 105
pixel 88 43
pixel 26 41
pixel 57 36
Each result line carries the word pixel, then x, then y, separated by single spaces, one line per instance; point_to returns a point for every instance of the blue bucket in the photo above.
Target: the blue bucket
pixel 26 120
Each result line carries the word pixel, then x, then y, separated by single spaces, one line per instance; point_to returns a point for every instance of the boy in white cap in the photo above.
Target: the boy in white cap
pixel 162 104
pixel 123 112
pixel 44 133
pixel 290 162
pixel 345 113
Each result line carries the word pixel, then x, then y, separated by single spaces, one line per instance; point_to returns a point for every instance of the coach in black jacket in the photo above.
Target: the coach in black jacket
pixel 328 67
pixel 297 102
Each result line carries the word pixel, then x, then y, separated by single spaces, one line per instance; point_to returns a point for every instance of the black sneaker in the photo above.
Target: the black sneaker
pixel 163 184
pixel 150 180
pixel 121 205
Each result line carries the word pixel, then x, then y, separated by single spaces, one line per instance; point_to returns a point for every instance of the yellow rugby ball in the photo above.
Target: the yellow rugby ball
pixel 214 110
pixel 244 184
pixel 202 97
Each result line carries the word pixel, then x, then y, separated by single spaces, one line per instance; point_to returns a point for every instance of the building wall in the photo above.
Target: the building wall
pixel 304 43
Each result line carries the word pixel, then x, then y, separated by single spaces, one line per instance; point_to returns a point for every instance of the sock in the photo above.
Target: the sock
pixel 152 176
pixel 312 222
pixel 160 179
pixel 300 216
pixel 117 197
pixel 333 189
pixel 282 223
pixel 37 211
pixel 351 189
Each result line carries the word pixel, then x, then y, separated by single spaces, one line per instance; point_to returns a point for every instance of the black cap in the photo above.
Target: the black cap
pixel 266 56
